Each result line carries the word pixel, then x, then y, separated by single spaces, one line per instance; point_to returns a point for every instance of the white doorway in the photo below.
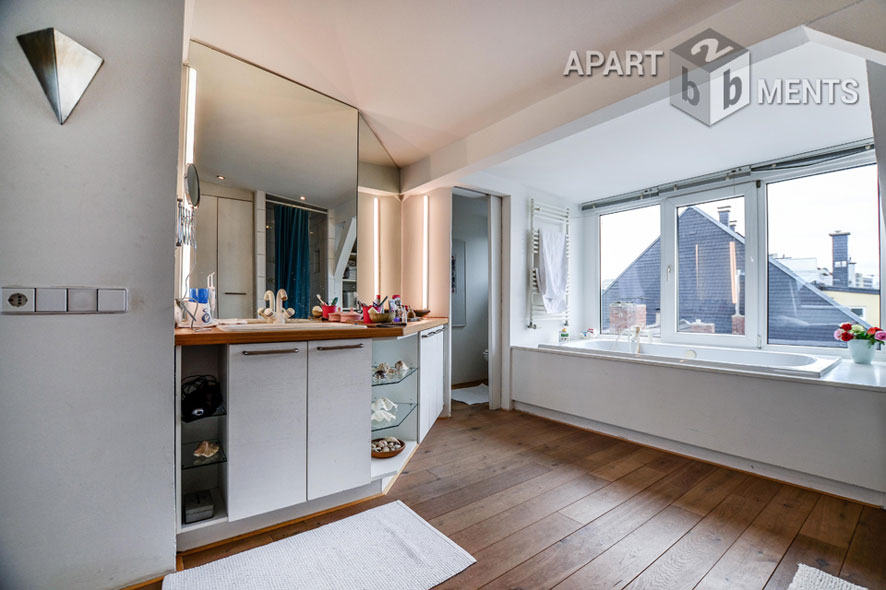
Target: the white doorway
pixel 475 293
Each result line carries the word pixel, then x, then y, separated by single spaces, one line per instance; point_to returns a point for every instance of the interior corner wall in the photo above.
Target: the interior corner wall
pixel 365 248
pixel 439 249
pixel 390 257
pixel 389 245
pixel 86 414
pixel 470 224
pixel 411 218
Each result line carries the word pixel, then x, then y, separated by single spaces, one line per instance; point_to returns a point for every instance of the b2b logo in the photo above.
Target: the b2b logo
pixel 710 77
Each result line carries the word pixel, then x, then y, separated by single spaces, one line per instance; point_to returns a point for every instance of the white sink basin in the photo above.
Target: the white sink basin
pixel 258 326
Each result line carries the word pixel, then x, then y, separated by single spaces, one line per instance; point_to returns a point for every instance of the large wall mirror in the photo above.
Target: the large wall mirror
pixel 278 167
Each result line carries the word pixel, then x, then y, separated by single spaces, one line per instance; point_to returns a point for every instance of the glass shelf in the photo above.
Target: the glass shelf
pixel 189 461
pixel 220 411
pixel 391 378
pixel 400 414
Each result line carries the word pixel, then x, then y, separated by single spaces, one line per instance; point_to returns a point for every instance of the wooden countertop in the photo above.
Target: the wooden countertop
pixel 189 337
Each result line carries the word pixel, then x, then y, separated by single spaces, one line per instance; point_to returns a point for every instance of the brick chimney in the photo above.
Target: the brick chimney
pixel 840 255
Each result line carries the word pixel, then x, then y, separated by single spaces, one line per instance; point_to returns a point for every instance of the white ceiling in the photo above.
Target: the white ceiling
pixel 658 143
pixel 426 73
pixel 262 132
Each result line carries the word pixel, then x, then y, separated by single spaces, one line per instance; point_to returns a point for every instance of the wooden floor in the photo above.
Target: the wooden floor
pixel 543 505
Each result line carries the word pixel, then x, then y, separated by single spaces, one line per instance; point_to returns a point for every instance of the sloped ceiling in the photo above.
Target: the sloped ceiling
pixel 658 143
pixel 426 73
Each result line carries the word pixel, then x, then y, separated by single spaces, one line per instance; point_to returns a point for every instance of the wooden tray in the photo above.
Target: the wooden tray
pixel 388 454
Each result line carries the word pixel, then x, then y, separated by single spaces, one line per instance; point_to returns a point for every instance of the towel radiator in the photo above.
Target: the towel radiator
pixel 556 218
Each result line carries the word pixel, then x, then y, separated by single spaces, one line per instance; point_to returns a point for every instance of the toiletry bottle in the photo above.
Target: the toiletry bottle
pixel 564 335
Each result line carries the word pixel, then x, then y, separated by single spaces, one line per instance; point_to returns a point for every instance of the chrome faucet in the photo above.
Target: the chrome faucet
pixel 275 312
pixel 633 334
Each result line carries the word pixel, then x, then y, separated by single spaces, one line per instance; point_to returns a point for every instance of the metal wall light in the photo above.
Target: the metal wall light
pixel 64 68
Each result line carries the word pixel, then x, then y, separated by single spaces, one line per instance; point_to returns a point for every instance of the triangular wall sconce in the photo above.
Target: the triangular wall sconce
pixel 64 67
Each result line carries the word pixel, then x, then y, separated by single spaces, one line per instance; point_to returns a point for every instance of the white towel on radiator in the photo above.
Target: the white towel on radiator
pixel 553 270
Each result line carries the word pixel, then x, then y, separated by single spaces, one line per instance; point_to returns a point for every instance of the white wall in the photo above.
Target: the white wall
pixel 470 220
pixel 86 415
pixel 439 249
pixel 389 267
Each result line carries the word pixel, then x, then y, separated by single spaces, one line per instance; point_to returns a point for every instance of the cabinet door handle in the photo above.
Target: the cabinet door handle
pixel 234 293
pixel 261 352
pixel 341 347
pixel 434 333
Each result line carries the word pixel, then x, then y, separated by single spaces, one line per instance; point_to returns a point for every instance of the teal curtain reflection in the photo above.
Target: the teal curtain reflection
pixel 292 249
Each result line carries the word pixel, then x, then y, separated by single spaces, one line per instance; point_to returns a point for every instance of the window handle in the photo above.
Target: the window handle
pixel 668 274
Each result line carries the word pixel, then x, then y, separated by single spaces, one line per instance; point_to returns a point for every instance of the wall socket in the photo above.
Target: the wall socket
pixel 57 300
pixel 18 300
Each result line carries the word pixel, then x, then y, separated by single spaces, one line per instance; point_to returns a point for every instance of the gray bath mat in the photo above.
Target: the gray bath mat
pixel 386 548
pixel 809 578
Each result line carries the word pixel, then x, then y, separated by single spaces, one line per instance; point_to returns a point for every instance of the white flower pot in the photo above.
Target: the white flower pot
pixel 862 351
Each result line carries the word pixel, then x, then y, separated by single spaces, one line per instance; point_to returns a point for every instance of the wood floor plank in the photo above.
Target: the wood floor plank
pixel 559 561
pixel 710 491
pixel 488 506
pixel 865 563
pixel 622 463
pixel 491 530
pixel 684 564
pixel 526 437
pixel 607 498
pixel 490 456
pixel 500 557
pixel 617 566
pixel 822 543
pixel 462 496
pixel 756 553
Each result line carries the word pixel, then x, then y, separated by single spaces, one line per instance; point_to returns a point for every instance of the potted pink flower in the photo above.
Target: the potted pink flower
pixel 860 341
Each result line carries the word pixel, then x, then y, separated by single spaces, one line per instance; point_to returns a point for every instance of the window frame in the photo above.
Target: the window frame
pixel 754 188
pixel 670 270
pixel 769 177
pixel 594 233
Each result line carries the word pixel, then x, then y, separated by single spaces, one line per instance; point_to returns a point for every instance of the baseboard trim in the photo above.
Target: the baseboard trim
pixel 274 527
pixel 799 479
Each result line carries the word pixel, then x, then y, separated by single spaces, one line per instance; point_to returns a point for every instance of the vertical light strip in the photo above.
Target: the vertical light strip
pixel 376 246
pixel 424 254
pixel 192 116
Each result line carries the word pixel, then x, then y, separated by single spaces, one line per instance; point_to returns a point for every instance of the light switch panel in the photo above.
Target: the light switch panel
pixel 111 300
pixel 52 300
pixel 18 300
pixel 83 300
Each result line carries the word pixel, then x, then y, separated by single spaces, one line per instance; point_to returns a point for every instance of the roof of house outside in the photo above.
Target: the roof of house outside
pixel 799 312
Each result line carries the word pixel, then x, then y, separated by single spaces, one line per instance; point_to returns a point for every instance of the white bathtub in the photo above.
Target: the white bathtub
pixel 757 361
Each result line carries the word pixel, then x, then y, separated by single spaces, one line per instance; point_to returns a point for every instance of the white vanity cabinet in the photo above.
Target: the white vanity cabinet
pixel 338 415
pixel 432 352
pixel 267 427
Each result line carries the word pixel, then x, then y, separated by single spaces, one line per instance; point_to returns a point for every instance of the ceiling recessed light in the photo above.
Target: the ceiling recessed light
pixel 302 197
pixel 220 177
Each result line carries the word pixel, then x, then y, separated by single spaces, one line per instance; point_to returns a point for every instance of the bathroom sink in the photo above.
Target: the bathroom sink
pixel 261 326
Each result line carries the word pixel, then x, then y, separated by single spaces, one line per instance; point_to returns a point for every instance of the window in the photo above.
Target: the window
pixel 823 255
pixel 774 255
pixel 711 267
pixel 630 270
